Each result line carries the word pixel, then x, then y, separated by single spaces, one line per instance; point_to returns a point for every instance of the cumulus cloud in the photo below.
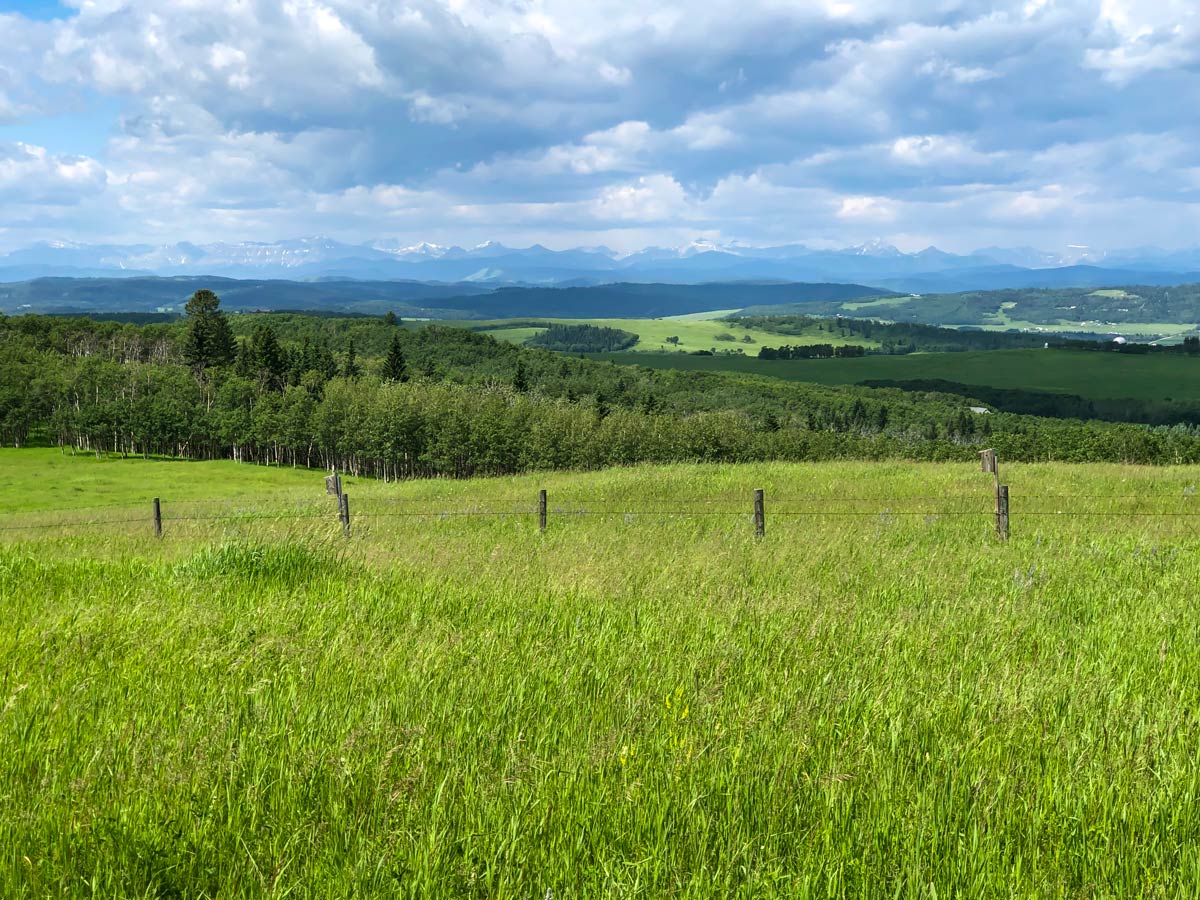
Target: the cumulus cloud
pixel 967 122
pixel 30 174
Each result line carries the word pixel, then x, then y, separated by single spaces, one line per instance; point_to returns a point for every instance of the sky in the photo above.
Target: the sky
pixel 958 123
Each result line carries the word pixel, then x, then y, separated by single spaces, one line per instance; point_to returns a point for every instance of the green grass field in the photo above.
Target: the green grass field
pixel 888 702
pixel 695 332
pixel 1088 374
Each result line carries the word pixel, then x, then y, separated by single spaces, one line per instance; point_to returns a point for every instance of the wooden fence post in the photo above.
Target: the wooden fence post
pixel 157 518
pixel 344 513
pixel 760 514
pixel 541 510
pixel 988 462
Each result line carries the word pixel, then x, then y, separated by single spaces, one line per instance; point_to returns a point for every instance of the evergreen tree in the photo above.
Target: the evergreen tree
pixel 245 366
pixel 393 363
pixel 324 361
pixel 208 340
pixel 520 379
pixel 389 318
pixel 881 417
pixel 350 368
pixel 269 358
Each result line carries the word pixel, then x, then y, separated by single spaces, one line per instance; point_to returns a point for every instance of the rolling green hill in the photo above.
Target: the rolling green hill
pixel 1143 310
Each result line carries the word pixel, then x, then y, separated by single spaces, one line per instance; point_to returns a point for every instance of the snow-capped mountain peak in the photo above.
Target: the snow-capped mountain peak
pixel 703 245
pixel 875 247
pixel 421 249
pixel 704 259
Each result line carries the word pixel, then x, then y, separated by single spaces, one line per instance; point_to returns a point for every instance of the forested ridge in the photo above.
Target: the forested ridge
pixel 1086 307
pixel 447 401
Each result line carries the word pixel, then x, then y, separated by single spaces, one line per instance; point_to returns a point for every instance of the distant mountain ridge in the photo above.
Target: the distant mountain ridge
pixel 876 263
pixel 410 299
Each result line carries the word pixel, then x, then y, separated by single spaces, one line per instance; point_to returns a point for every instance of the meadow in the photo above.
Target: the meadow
pixel 1093 375
pixel 696 331
pixel 877 699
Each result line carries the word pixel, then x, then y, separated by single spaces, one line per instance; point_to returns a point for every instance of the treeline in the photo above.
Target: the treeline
pixel 1056 405
pixel 1049 307
pixel 583 339
pixel 450 402
pixel 894 337
pixel 899 338
pixel 812 351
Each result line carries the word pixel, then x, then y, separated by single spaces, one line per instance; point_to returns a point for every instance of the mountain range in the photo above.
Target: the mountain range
pixel 495 265
pixel 165 296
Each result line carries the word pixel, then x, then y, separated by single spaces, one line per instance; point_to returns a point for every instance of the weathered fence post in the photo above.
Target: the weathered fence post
pixel 988 463
pixel 541 510
pixel 760 514
pixel 344 513
pixel 157 518
pixel 333 485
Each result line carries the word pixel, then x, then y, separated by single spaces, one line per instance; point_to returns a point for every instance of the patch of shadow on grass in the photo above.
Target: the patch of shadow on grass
pixel 285 564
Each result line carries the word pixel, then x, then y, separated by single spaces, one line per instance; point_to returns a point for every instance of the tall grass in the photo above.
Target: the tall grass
pixel 651 705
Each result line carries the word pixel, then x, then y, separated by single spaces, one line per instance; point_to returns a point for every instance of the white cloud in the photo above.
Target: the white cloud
pixel 31 174
pixel 653 198
pixel 1144 37
pixel 870 209
pixel 831 119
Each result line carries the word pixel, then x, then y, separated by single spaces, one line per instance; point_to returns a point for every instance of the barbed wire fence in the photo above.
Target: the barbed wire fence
pixel 754 509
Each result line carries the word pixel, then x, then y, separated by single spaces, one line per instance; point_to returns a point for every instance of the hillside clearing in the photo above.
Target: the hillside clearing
pixel 694 333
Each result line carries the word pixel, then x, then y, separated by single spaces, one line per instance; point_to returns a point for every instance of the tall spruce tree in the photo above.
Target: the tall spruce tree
pixel 245 365
pixel 394 368
pixel 350 368
pixel 269 356
pixel 208 340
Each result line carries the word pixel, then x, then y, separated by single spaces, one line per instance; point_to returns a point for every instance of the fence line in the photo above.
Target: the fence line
pixel 756 507
pixel 795 508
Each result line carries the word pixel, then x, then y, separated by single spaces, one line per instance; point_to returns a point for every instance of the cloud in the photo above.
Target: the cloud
pixel 31 175
pixel 872 209
pixel 829 121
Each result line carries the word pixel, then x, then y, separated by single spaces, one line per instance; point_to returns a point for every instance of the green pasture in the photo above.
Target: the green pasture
pixel 695 332
pixel 1093 375
pixel 877 699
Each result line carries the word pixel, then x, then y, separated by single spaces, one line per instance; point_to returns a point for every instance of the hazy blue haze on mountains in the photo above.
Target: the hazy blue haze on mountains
pixel 493 264
pixel 410 299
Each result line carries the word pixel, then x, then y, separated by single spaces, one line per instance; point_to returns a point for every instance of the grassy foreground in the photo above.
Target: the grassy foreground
pixel 634 704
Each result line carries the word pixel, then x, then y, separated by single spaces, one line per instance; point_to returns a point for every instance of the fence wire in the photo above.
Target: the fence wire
pixel 789 507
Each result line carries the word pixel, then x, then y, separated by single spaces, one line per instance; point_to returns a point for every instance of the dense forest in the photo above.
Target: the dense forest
pixel 1056 405
pixel 447 401
pixel 813 351
pixel 583 339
